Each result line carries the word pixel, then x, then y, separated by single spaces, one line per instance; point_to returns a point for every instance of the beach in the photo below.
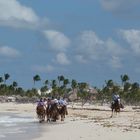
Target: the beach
pixel 87 123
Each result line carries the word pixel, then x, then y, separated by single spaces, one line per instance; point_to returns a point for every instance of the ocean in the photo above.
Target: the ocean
pixel 16 127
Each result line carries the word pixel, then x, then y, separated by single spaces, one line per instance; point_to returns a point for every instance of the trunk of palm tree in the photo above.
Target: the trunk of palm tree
pixel 15 84
pixel 36 78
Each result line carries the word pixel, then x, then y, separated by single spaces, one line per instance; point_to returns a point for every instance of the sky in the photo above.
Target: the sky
pixel 87 40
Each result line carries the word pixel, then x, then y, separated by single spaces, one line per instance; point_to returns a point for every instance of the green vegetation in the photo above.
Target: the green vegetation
pixel 64 87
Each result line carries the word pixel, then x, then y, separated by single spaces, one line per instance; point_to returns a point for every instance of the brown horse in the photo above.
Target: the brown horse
pixel 63 111
pixel 41 113
pixel 52 112
pixel 115 107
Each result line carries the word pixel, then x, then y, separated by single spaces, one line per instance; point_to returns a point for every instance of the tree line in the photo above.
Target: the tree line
pixel 128 91
pixel 62 86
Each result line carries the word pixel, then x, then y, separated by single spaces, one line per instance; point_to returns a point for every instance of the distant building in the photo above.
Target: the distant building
pixel 11 99
pixel 73 93
pixel 44 93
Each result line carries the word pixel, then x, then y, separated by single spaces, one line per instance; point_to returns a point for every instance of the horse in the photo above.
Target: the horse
pixel 115 107
pixel 63 111
pixel 52 112
pixel 41 113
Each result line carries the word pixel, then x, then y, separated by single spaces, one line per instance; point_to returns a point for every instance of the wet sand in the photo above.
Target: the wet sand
pixel 88 123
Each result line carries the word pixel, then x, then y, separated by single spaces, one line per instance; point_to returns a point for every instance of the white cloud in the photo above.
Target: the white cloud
pixel 13 14
pixel 92 48
pixel 43 69
pixel 62 59
pixel 9 52
pixel 89 45
pixel 57 40
pixel 113 48
pixel 133 38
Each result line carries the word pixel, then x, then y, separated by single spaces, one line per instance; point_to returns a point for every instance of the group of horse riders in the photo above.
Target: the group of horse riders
pixel 47 102
pixel 51 107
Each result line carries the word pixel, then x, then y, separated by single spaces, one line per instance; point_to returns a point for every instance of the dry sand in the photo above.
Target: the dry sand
pixel 88 123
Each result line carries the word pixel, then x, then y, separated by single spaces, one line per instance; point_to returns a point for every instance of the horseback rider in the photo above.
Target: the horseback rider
pixel 116 98
pixel 45 102
pixel 42 102
pixel 54 101
pixel 49 103
pixel 116 104
pixel 63 102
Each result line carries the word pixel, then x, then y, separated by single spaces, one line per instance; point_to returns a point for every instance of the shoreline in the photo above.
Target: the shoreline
pixel 88 123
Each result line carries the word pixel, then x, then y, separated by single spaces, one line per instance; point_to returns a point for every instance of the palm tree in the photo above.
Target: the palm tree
pixel 20 91
pixel 15 84
pixel 127 86
pixel 46 82
pixel 60 78
pixel 54 92
pixel 6 77
pixel 73 84
pixel 109 83
pixel 54 84
pixel 1 79
pixel 124 78
pixel 36 78
pixel 82 86
pixel 44 88
pixel 135 86
pixel 83 93
pixel 65 82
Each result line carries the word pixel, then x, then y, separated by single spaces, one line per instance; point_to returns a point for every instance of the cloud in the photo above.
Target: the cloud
pixel 9 52
pixel 57 40
pixel 92 48
pixel 113 48
pixel 132 37
pixel 62 59
pixel 89 45
pixel 13 14
pixel 42 69
pixel 127 8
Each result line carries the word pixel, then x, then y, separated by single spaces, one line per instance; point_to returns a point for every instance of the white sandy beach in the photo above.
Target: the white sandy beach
pixel 85 124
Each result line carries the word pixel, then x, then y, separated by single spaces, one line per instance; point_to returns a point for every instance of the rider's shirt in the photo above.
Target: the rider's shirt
pixel 40 103
pixel 62 102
